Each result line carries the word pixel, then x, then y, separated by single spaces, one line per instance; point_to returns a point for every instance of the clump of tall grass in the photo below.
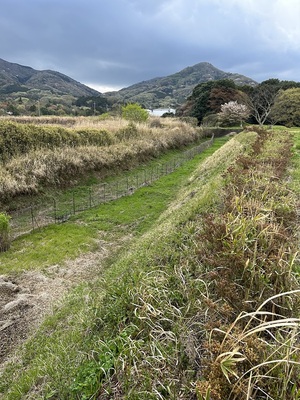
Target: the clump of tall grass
pixel 255 355
pixel 29 173
pixel 4 232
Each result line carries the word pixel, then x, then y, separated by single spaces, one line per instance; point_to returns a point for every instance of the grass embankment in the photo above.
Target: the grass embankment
pixel 35 157
pixel 164 321
pixel 134 214
pixel 110 221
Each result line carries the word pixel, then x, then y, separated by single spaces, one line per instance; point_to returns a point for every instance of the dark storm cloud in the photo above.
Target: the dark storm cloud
pixel 115 43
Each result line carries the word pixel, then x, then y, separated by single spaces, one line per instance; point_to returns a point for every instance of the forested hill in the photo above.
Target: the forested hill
pixel 173 90
pixel 18 80
pixel 24 90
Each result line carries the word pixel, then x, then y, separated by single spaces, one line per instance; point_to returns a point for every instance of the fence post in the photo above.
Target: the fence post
pixel 54 209
pixel 32 216
pixel 74 205
pixel 90 198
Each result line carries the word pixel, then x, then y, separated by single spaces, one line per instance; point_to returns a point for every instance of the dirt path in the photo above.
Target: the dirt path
pixel 27 298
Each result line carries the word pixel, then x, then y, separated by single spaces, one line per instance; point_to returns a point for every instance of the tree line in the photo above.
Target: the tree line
pixel 216 102
pixel 224 102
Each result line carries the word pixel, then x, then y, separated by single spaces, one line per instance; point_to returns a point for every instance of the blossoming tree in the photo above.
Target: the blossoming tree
pixel 233 113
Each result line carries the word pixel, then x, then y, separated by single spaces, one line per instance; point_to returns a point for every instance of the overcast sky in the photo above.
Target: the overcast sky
pixel 111 44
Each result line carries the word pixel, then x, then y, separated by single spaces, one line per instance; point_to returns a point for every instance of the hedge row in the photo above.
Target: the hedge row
pixel 17 139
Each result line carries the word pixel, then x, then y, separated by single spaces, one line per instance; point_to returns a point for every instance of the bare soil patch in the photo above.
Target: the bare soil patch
pixel 27 298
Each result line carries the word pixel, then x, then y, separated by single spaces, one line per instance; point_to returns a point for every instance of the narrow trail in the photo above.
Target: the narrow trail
pixel 27 298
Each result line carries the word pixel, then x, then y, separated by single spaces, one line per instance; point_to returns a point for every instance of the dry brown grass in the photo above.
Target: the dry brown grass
pixel 59 166
pixel 248 250
pixel 110 123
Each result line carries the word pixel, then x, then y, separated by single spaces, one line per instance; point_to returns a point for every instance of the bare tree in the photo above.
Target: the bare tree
pixel 261 99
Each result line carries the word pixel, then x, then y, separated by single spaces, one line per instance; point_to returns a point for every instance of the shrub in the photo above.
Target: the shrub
pixel 190 120
pixel 134 112
pixel 210 120
pixel 129 132
pixel 155 123
pixel 4 232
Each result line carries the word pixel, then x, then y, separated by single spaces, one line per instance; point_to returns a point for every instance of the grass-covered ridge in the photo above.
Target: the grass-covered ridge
pixel 163 322
pixel 35 157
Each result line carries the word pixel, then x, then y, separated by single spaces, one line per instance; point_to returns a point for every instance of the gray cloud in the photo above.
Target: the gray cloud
pixel 115 43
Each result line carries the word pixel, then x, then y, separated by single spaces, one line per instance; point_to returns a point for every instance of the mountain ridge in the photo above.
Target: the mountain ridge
pixel 50 88
pixel 20 78
pixel 173 90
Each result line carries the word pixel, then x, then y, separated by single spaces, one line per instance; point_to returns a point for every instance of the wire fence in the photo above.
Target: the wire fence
pixel 34 216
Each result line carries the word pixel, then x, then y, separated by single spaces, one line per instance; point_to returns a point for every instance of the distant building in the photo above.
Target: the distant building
pixel 158 112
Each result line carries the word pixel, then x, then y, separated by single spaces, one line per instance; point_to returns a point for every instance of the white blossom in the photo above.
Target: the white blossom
pixel 233 112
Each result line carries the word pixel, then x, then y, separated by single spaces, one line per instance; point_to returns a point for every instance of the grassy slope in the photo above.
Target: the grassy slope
pixel 54 244
pixel 130 337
